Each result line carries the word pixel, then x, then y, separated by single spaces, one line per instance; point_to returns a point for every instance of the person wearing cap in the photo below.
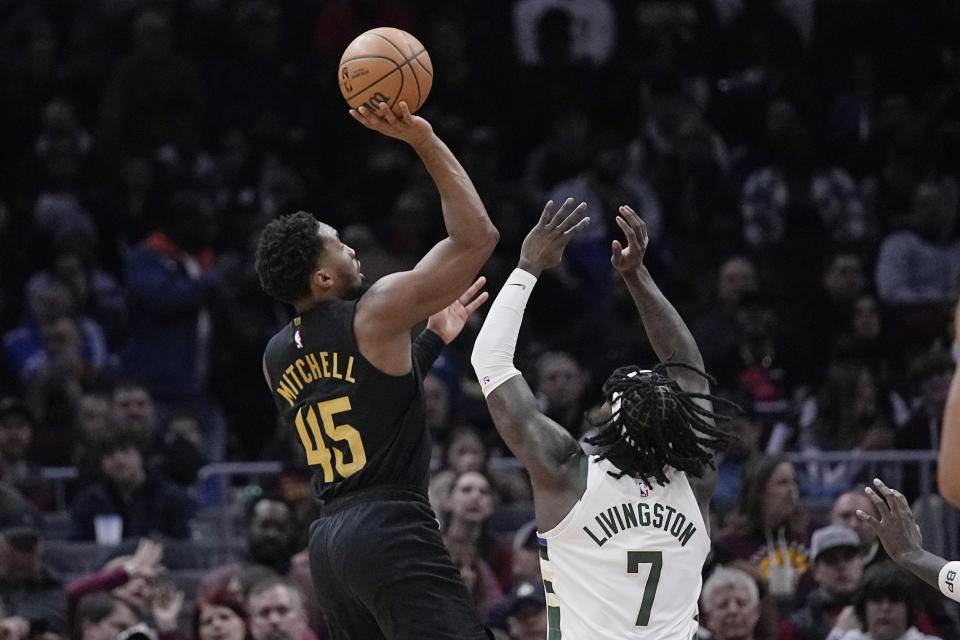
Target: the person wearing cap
pixel 526 553
pixel 837 570
pixel 948 469
pixel 526 611
pixel 28 587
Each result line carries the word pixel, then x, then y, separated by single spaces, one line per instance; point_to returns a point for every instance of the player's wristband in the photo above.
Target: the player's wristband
pixel 493 351
pixel 950 580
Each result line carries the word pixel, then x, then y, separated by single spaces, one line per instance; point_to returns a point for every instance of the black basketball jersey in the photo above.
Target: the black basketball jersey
pixel 359 426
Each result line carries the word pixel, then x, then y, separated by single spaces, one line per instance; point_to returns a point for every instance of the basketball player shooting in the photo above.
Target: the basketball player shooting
pixel 347 380
pixel 623 534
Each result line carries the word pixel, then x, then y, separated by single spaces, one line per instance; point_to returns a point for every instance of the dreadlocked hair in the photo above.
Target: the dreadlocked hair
pixel 655 424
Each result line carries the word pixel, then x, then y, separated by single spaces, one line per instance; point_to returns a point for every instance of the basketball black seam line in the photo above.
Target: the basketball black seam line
pixel 406 62
pixel 399 68
pixel 406 41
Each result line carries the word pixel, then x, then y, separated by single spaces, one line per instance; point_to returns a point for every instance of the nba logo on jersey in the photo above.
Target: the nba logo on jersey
pixel 486 379
pixel 644 489
pixel 298 339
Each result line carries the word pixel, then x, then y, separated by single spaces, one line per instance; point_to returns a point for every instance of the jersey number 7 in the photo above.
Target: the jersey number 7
pixel 655 560
pixel 318 452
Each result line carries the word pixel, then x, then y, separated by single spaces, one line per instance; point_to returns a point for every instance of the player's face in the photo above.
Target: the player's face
pixel 886 619
pixel 731 613
pixel 341 259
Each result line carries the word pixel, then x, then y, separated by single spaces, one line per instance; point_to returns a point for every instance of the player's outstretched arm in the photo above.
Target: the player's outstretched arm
pixel 401 300
pixel 536 440
pixel 666 330
pixel 948 467
pixel 900 536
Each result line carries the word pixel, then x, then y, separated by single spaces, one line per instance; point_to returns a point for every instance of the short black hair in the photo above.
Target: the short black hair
pixel 122 436
pixel 884 581
pixel 287 254
pixel 658 424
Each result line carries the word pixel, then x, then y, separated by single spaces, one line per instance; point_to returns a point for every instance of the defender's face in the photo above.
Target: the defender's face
pixel 340 258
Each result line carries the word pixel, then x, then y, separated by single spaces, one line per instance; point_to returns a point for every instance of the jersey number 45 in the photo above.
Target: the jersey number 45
pixel 315 440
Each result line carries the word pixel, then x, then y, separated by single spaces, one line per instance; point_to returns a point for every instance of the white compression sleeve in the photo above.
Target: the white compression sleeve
pixel 492 357
pixel 949 583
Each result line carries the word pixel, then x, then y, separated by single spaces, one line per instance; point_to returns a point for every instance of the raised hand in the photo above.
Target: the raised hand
pixel 449 322
pixel 166 606
pixel 634 228
pixel 543 247
pixel 407 127
pixel 896 528
pixel 145 562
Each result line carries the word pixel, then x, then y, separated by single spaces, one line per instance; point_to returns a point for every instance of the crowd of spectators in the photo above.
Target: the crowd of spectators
pixel 796 163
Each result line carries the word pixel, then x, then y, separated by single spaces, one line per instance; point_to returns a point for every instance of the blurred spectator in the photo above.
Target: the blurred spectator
pixel 922 265
pixel 830 311
pixel 277 612
pixel 560 384
pixel 147 88
pixel 16 467
pixel 844 513
pixel 593 29
pixel 180 451
pixel 101 616
pixel 485 565
pixel 769 529
pixel 837 569
pixel 730 605
pixel 220 616
pixel 340 21
pixel 270 544
pixel 147 504
pixel 28 587
pixel 716 329
pixel 90 424
pixel 886 607
pixel 526 612
pixel 47 303
pixel 930 374
pixel 97 293
pixel 131 405
pixel 526 553
pixel 129 579
pixel 743 452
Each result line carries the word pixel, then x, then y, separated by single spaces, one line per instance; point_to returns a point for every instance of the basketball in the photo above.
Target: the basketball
pixel 385 65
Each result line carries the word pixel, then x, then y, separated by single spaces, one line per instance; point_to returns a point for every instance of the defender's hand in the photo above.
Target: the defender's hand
pixel 407 127
pixel 543 247
pixel 896 528
pixel 449 322
pixel 628 259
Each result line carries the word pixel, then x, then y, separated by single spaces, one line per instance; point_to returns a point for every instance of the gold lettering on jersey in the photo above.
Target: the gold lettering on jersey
pixel 303 374
pixel 312 368
pixel 624 517
pixel 323 361
pixel 334 371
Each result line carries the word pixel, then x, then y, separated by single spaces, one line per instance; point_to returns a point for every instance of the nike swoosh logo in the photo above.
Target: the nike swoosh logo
pixel 517 284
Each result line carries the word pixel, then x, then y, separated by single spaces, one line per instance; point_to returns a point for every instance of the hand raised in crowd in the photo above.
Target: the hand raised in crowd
pixel 407 127
pixel 543 247
pixel 14 628
pixel 145 562
pixel 166 606
pixel 629 258
pixel 896 528
pixel 449 321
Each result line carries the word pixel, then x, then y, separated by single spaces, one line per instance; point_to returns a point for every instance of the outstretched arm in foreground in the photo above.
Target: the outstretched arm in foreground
pixel 900 536
pixel 541 444
pixel 948 467
pixel 445 325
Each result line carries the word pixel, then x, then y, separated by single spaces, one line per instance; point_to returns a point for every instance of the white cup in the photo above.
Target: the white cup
pixel 108 528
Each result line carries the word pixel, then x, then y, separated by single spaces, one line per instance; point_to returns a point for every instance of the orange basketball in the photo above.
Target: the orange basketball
pixel 385 65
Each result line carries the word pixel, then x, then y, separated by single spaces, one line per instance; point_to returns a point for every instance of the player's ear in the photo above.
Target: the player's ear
pixel 322 279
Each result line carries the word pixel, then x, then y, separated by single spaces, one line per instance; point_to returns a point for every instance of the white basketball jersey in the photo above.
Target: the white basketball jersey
pixel 626 561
